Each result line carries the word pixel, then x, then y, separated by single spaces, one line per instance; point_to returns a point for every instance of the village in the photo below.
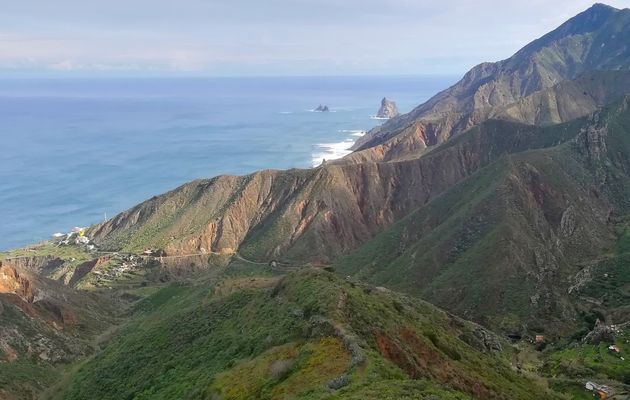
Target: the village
pixel 110 266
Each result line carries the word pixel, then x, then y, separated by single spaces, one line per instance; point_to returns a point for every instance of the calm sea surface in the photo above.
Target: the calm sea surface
pixel 74 150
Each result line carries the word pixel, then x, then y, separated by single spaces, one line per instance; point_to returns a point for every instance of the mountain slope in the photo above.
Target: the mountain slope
pixel 315 215
pixel 520 224
pixel 307 215
pixel 308 335
pixel 43 325
pixel 504 246
pixel 560 103
pixel 596 39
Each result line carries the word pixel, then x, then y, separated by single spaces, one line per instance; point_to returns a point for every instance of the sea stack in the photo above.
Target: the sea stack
pixel 321 108
pixel 388 109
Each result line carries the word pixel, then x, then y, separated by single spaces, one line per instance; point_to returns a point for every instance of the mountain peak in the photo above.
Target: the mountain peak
pixel 587 21
pixel 602 6
pixel 596 13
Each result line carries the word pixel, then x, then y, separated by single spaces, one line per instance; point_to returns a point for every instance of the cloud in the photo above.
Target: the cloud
pixel 271 37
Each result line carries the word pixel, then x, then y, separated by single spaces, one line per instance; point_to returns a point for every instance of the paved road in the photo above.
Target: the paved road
pixel 235 255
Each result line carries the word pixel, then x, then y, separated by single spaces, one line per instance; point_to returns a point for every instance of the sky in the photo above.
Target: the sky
pixel 269 37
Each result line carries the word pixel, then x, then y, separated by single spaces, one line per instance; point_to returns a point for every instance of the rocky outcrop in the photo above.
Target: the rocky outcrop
pixel 15 283
pixel 593 141
pixel 600 333
pixel 83 269
pixel 568 222
pixel 388 109
pixel 321 108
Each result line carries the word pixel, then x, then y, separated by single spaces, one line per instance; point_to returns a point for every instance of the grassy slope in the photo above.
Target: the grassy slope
pixel 588 361
pixel 609 287
pixel 464 249
pixel 291 339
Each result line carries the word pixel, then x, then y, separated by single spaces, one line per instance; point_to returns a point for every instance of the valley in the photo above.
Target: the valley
pixel 476 247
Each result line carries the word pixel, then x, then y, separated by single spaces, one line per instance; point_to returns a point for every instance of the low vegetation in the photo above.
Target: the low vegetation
pixel 310 335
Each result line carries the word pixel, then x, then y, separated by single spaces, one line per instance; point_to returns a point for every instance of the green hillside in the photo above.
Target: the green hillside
pixel 307 335
pixel 503 246
pixel 477 247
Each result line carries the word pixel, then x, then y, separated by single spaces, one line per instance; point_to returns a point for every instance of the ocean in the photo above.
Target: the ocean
pixel 75 151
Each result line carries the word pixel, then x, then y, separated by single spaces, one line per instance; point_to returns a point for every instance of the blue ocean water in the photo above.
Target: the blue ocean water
pixel 73 150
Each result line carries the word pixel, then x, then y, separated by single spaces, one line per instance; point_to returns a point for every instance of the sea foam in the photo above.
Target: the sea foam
pixel 331 151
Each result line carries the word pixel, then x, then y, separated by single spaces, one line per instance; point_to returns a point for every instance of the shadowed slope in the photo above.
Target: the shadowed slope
pixel 504 246
pixel 310 215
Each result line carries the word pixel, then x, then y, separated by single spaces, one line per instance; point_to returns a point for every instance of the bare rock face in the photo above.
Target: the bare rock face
pixel 44 321
pixel 600 333
pixel 13 282
pixel 594 141
pixel 568 222
pixel 388 109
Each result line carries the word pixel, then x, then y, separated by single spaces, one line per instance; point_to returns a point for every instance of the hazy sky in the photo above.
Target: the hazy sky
pixel 270 37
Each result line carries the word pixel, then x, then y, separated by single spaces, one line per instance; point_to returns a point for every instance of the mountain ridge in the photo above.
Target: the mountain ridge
pixel 503 200
pixel 522 221
pixel 549 60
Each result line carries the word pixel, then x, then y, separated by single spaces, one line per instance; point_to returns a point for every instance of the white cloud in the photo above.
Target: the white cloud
pixel 274 36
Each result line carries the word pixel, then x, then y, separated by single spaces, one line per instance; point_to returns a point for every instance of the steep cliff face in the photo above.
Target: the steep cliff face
pixel 14 283
pixel 596 39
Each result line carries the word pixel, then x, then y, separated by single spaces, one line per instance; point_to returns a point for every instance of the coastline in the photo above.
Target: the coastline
pixel 336 150
pixel 77 149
